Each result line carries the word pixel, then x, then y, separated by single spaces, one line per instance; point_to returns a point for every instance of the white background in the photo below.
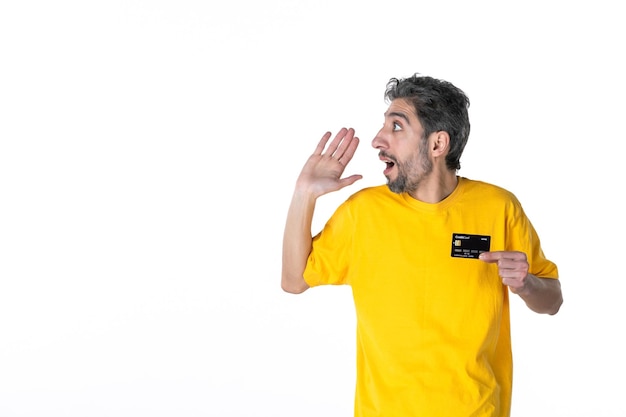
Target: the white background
pixel 147 157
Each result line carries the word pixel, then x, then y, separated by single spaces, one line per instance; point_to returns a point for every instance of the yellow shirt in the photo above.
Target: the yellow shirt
pixel 433 332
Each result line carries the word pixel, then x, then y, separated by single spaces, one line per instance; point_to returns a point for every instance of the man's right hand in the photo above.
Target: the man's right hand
pixel 322 172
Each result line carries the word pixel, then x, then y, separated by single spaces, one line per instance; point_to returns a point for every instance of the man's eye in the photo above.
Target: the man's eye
pixel 396 126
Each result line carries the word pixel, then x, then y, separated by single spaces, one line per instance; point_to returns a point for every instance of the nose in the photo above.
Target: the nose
pixel 379 141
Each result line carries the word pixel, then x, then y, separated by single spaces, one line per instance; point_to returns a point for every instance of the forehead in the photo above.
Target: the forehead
pixel 401 108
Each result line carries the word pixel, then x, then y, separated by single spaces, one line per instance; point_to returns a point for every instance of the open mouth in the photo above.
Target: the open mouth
pixel 389 162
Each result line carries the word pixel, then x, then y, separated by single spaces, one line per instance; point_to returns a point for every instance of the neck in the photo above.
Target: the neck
pixel 436 187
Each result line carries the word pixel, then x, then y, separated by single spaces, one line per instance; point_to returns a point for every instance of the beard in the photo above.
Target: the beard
pixel 410 172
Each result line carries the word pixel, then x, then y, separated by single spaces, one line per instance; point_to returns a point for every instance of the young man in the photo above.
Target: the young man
pixel 430 257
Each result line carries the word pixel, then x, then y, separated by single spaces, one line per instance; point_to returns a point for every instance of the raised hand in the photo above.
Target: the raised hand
pixel 322 172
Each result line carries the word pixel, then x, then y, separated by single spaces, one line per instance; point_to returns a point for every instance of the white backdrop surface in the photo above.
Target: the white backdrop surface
pixel 148 150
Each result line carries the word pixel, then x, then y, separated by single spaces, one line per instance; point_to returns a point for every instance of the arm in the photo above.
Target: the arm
pixel 297 241
pixel 321 174
pixel 541 295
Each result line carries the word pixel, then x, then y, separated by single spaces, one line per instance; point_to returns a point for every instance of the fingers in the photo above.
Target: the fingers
pixel 495 256
pixel 510 263
pixel 350 180
pixel 341 148
pixel 512 267
pixel 349 151
pixel 322 144
pixel 336 147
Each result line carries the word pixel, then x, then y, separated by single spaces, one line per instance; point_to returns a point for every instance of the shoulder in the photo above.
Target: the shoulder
pixel 372 194
pixel 490 197
pixel 370 199
pixel 372 191
pixel 482 189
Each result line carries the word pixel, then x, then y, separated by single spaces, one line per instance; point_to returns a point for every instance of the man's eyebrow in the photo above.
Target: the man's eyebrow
pixel 398 114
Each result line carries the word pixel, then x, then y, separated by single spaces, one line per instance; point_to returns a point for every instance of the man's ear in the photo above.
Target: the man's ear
pixel 440 143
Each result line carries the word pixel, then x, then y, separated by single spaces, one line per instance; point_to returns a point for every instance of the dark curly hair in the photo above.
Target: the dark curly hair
pixel 440 106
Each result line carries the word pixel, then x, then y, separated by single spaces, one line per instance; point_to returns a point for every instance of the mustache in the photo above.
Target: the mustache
pixel 383 154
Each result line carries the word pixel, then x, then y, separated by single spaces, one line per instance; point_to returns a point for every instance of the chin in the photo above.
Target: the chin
pixel 395 187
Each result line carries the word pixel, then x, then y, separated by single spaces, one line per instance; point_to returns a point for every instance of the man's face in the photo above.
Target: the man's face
pixel 403 148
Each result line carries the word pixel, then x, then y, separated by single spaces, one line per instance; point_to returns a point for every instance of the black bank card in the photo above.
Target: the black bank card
pixel 469 246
